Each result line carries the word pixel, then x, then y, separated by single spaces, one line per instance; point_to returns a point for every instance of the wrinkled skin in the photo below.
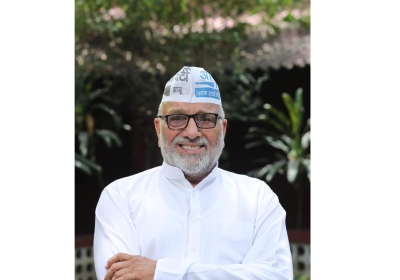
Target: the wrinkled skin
pixel 206 144
pixel 127 267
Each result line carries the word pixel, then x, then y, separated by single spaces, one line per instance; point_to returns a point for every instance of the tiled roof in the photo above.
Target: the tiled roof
pixel 288 49
pixel 266 49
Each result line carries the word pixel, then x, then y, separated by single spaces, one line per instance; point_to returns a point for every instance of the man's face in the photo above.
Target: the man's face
pixel 193 150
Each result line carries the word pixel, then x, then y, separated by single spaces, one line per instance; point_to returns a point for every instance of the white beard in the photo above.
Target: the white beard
pixel 196 166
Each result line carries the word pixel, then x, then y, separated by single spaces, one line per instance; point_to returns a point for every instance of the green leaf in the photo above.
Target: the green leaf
pixel 254 144
pixel 126 127
pixel 260 81
pixel 104 108
pixel 251 136
pixel 86 162
pixel 277 144
pixel 260 172
pixel 244 79
pixel 294 113
pixel 259 161
pixel 108 137
pixel 78 110
pixel 279 115
pixel 299 105
pixel 254 129
pixel 307 126
pixel 286 139
pixel 306 164
pixel 277 125
pixel 83 139
pixel 85 168
pixel 289 18
pixel 299 98
pixel 305 140
pixel 293 170
pixel 275 167
pixel 117 119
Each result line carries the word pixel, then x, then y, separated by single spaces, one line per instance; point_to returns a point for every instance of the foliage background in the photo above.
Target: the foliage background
pixel 127 50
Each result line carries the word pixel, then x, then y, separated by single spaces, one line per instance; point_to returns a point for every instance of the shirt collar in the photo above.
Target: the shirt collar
pixel 174 173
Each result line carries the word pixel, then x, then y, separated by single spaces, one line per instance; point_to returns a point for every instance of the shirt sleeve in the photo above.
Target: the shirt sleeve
pixel 114 231
pixel 269 257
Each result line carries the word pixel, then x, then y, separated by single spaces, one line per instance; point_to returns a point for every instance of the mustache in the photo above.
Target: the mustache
pixel 197 140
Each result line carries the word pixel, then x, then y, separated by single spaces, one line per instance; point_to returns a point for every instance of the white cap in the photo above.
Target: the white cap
pixel 192 85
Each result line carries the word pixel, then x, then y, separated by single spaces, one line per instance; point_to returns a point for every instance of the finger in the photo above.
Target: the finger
pixel 117 258
pixel 130 276
pixel 114 268
pixel 121 273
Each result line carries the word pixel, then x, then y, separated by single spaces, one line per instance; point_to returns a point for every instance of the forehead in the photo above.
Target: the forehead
pixel 189 108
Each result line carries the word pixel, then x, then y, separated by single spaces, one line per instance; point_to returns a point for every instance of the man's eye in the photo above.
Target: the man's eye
pixel 206 118
pixel 178 118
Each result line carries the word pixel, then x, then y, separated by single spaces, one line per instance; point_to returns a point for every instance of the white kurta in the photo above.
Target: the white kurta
pixel 229 226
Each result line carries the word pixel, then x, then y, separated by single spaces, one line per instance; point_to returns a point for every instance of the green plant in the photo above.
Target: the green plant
pixel 94 120
pixel 144 43
pixel 301 276
pixel 242 89
pixel 139 45
pixel 290 136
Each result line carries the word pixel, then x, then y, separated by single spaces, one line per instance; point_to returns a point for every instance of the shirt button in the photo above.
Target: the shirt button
pixel 194 220
pixel 192 249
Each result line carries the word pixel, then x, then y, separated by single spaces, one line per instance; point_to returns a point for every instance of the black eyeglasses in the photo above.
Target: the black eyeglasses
pixel 180 121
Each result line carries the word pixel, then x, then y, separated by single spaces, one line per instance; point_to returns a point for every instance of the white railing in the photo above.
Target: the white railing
pixel 301 257
pixel 84 264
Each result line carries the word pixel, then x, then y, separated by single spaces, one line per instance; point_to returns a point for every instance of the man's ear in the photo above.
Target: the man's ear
pixel 224 126
pixel 157 126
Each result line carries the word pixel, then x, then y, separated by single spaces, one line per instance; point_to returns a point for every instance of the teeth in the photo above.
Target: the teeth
pixel 191 147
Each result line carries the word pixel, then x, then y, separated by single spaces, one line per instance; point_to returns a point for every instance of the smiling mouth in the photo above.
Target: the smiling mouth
pixel 187 147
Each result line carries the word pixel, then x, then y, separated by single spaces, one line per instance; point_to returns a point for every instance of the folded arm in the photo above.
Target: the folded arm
pixel 268 258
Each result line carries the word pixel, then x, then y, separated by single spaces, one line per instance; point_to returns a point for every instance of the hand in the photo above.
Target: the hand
pixel 127 267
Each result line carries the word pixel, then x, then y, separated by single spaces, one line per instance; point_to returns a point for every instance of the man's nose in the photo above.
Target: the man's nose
pixel 191 131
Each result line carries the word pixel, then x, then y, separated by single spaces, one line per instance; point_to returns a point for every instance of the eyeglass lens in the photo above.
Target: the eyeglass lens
pixel 202 120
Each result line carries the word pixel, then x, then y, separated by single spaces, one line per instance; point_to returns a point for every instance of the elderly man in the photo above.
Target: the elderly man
pixel 189 219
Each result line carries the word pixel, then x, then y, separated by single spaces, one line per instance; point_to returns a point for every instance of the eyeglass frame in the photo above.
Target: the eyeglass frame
pixel 217 116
